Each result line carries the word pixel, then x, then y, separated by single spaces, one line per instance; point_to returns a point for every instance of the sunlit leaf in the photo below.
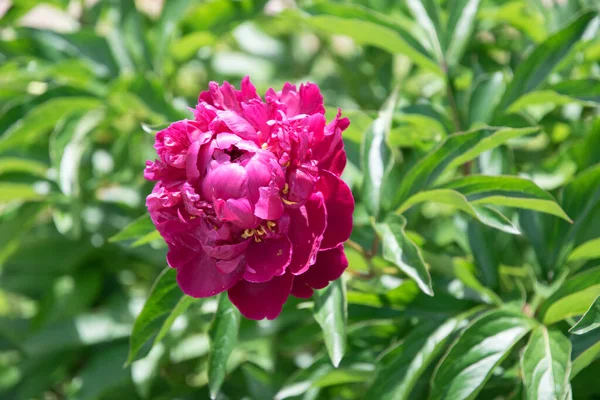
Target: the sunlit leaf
pixel 589 321
pixel 331 314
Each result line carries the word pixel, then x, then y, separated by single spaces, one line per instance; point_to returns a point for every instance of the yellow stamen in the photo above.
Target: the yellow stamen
pixel 260 231
pixel 289 203
pixel 257 239
pixel 286 189
pixel 287 164
pixel 248 233
pixel 271 225
pixel 192 217
pixel 264 145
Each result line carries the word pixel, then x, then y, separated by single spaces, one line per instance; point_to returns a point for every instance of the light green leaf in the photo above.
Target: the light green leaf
pixel 368 27
pixel 546 365
pixel 400 250
pixel 539 97
pixel 483 345
pixel 587 251
pixel 508 191
pixel 164 304
pixel 343 376
pixel 42 119
pixel 331 314
pixel 10 191
pixel 410 359
pixel 589 321
pixel 455 199
pixel 587 90
pixel 573 297
pixel 137 229
pixel 376 156
pixel 426 14
pixel 22 165
pixel 586 349
pixel 223 338
pixel 534 70
pixel 486 95
pixel 451 153
pixel 460 28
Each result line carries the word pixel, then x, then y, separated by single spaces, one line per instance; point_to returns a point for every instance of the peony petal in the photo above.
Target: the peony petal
pixel 261 300
pixel 200 276
pixel 330 265
pixel 269 205
pixel 248 90
pixel 311 99
pixel 267 258
pixel 307 225
pixel 340 206
pixel 237 211
pixel 224 181
pixel 238 125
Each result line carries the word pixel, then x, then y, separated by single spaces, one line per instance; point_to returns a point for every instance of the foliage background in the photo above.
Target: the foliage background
pixel 85 84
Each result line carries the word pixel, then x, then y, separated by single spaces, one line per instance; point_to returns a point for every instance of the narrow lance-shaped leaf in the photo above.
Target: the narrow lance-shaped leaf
pixel 533 71
pixel 427 16
pixel 587 251
pixel 158 314
pixel 460 28
pixel 453 152
pixel 589 321
pixel 377 157
pixel 483 345
pixel 546 364
pixel 486 95
pixel 485 215
pixel 396 379
pixel 331 313
pixel 370 28
pixel 573 297
pixel 586 349
pixel 508 191
pixel 223 338
pixel 400 250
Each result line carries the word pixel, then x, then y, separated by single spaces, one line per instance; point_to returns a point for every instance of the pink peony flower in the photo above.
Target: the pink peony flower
pixel 249 197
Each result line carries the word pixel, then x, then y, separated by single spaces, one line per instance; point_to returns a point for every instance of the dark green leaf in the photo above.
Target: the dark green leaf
pixel 158 314
pixel 472 358
pixel 586 349
pixel 454 151
pixel 582 89
pixel 572 298
pixel 508 191
pixel 135 230
pixel 223 338
pixel 331 314
pixel 486 95
pixel 589 321
pixel 400 250
pixel 533 71
pixel 546 364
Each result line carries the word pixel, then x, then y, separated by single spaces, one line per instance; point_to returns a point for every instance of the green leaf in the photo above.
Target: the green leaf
pixel 426 14
pixel 587 90
pixel 455 199
pixel 42 119
pixel 460 28
pixel 587 251
pixel 589 321
pixel 410 359
pixel 10 191
pixel 586 349
pixel 486 95
pixel 376 156
pixel 331 313
pixel 164 304
pixel 546 364
pixel 483 345
pixel 482 242
pixel 533 71
pixel 368 27
pixel 539 97
pixel 400 250
pixel 573 297
pixel 452 152
pixel 10 165
pixel 345 376
pixel 508 191
pixel 137 229
pixel 223 337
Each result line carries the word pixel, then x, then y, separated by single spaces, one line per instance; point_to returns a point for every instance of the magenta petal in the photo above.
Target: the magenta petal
pixel 269 205
pixel 248 90
pixel 311 100
pixel 330 265
pixel 238 124
pixel 200 277
pixel 236 211
pixel 225 181
pixel 340 206
pixel 261 300
pixel 267 259
pixel 228 266
pixel 307 225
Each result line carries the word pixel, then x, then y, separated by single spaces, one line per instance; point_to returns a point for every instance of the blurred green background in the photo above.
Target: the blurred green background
pixel 84 84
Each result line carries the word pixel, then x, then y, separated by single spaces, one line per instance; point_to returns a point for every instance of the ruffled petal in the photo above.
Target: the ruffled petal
pixel 306 228
pixel 261 300
pixel 267 258
pixel 225 181
pixel 340 206
pixel 237 124
pixel 200 277
pixel 269 205
pixel 237 211
pixel 330 265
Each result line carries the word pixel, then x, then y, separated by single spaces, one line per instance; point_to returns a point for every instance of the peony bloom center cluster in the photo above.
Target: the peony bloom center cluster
pixel 249 197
